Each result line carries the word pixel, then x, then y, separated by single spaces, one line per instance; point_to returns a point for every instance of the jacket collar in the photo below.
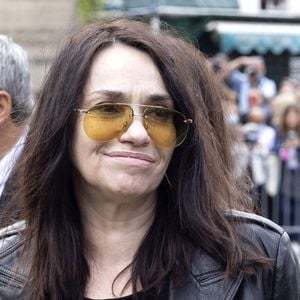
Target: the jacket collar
pixel 206 282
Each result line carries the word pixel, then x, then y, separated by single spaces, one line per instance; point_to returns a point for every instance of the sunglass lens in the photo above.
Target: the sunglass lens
pixel 166 127
pixel 106 121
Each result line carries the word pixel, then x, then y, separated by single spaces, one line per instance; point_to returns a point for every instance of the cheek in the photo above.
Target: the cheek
pixel 82 147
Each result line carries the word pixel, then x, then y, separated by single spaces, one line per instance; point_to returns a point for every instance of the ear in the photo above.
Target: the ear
pixel 5 106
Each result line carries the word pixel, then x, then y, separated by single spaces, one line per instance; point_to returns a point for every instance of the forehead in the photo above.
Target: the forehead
pixel 124 69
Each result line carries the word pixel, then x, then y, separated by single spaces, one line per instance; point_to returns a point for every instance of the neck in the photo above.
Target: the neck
pixel 9 136
pixel 108 223
pixel 113 231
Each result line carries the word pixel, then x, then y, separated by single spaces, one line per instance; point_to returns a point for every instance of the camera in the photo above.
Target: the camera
pixel 251 137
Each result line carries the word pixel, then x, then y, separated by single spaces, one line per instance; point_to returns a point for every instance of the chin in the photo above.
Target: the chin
pixel 135 189
pixel 131 186
pixel 132 191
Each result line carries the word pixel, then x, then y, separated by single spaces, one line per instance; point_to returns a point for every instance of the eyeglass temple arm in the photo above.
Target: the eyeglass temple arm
pixel 80 110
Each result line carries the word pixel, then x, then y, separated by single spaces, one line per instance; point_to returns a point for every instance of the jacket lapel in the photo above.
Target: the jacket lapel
pixel 206 282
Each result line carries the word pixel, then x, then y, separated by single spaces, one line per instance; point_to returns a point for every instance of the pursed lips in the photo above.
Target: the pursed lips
pixel 133 155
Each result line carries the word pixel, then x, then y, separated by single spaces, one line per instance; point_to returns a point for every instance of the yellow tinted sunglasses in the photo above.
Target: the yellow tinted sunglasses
pixel 105 121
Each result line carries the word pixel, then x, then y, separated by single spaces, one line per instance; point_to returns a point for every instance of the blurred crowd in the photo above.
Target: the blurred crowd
pixel 266 122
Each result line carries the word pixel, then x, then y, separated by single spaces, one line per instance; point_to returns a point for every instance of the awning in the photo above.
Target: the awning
pixel 174 7
pixel 245 37
pixel 186 3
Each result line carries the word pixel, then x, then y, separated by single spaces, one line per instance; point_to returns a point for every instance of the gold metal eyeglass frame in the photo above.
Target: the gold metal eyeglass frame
pixel 180 135
pixel 87 110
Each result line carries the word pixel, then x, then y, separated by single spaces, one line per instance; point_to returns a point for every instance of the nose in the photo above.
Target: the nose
pixel 136 133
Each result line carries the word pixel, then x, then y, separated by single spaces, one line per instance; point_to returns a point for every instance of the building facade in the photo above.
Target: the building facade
pixel 39 26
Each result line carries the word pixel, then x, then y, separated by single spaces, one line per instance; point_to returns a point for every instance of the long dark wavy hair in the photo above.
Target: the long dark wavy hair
pixel 190 213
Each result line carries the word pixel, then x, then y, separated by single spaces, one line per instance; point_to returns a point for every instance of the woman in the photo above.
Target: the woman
pixel 127 187
pixel 288 148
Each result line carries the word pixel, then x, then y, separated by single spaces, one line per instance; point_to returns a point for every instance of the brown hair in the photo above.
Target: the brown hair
pixel 283 125
pixel 190 215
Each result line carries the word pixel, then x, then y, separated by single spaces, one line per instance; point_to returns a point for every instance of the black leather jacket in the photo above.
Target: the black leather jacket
pixel 206 282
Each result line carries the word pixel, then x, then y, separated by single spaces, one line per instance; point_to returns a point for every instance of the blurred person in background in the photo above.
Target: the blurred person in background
pixel 261 88
pixel 234 80
pixel 245 75
pixel 256 99
pixel 297 90
pixel 256 71
pixel 239 149
pixel 260 139
pixel 128 188
pixel 286 95
pixel 288 148
pixel 15 106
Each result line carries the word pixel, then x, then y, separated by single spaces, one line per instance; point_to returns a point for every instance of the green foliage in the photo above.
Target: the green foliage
pixel 87 8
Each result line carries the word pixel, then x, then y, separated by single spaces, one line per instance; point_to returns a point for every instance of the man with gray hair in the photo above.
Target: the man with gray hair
pixel 16 104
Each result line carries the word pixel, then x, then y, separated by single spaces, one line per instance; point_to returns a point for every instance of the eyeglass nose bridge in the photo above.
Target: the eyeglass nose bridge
pixel 133 114
pixel 138 115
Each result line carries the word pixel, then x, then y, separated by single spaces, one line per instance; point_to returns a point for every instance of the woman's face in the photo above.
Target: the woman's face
pixel 292 119
pixel 130 165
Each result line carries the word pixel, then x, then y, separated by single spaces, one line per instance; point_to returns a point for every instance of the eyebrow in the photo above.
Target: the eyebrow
pixel 121 96
pixel 110 95
pixel 160 97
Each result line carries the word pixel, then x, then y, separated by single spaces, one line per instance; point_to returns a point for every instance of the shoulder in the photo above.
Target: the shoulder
pixel 274 242
pixel 10 241
pixel 12 274
pixel 280 281
pixel 255 221
pixel 259 231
